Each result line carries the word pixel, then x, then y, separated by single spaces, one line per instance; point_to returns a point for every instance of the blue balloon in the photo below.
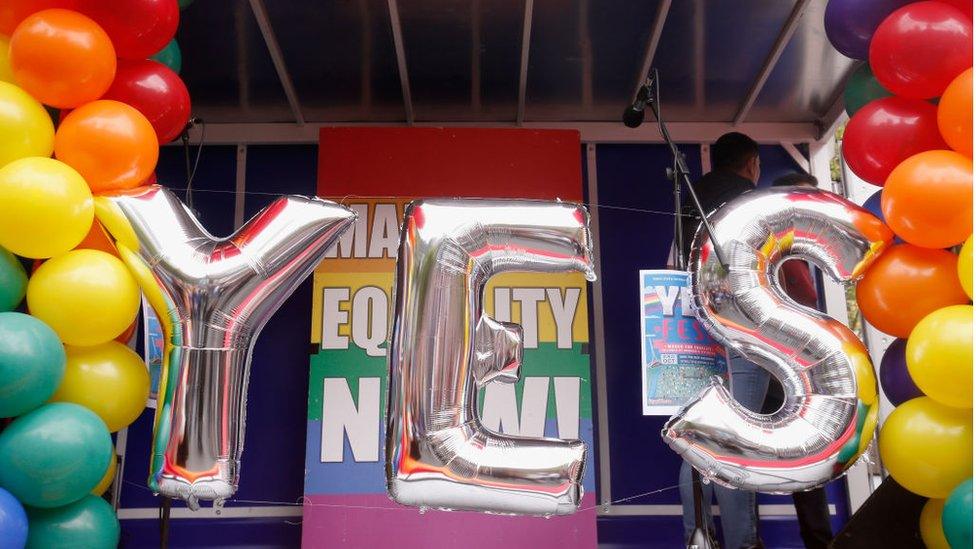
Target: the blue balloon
pixel 850 24
pixel 13 521
pixel 873 205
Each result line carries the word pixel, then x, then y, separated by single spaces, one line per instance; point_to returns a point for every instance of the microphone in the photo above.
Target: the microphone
pixel 634 114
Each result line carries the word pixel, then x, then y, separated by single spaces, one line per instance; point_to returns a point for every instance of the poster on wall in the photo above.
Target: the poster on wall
pixel 346 504
pixel 677 355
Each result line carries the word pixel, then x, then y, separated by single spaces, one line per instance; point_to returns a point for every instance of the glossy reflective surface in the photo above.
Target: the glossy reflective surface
pixel 830 393
pixel 438 454
pixel 212 297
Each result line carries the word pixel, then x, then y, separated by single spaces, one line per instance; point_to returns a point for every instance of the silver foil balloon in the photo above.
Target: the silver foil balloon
pixel 212 297
pixel 438 454
pixel 831 400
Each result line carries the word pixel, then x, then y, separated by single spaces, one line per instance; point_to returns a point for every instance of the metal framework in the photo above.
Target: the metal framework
pixel 278 59
pixel 657 28
pixel 590 132
pixel 401 59
pixel 789 27
pixel 524 63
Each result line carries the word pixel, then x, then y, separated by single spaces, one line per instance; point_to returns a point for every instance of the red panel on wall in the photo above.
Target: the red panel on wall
pixel 438 162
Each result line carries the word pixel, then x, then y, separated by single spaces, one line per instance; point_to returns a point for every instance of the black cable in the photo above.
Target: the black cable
pixel 164 509
pixel 192 171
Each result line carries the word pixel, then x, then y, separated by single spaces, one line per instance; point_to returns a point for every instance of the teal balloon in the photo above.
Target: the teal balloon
pixel 171 56
pixel 185 3
pixel 957 516
pixel 31 363
pixel 862 88
pixel 54 455
pixel 89 522
pixel 13 281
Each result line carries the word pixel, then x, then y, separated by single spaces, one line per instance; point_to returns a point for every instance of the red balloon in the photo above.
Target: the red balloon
pixel 138 28
pixel 155 91
pixel 12 12
pixel 920 48
pixel 886 131
pixel 965 6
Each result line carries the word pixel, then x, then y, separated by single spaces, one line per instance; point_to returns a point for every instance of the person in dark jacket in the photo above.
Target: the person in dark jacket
pixel 735 162
pixel 735 170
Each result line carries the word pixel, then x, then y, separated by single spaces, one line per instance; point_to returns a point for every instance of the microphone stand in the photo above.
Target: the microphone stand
pixel 700 538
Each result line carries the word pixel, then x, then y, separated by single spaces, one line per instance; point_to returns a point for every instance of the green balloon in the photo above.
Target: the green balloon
pixel 89 522
pixel 185 3
pixel 861 89
pixel 31 363
pixel 13 281
pixel 957 516
pixel 171 56
pixel 54 455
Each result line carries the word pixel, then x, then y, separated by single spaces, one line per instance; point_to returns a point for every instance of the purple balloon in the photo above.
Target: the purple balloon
pixel 896 382
pixel 850 24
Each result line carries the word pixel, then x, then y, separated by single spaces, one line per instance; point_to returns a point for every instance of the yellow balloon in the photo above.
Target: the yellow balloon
pixel 965 266
pixel 928 447
pixel 108 379
pixel 5 74
pixel 87 296
pixel 939 354
pixel 108 478
pixel 930 523
pixel 46 208
pixel 25 127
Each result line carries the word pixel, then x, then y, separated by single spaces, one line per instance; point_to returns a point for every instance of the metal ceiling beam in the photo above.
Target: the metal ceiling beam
pixel 590 132
pixel 524 66
pixel 401 59
pixel 785 33
pixel 836 109
pixel 657 27
pixel 271 41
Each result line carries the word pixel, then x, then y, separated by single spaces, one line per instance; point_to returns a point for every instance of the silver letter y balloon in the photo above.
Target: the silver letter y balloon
pixel 831 401
pixel 212 297
pixel 438 454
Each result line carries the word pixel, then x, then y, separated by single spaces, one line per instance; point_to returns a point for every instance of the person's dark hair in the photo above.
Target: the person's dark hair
pixel 733 151
pixel 797 178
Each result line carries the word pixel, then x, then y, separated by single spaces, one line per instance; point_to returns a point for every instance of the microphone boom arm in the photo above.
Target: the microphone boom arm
pixel 652 85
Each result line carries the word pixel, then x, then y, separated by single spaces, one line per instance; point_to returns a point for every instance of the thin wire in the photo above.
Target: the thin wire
pixel 304 502
pixel 347 198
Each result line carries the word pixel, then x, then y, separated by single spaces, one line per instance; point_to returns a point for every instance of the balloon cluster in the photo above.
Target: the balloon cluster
pixel 67 379
pixel 920 151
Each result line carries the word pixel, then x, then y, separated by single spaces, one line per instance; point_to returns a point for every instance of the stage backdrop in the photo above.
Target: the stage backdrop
pixel 377 171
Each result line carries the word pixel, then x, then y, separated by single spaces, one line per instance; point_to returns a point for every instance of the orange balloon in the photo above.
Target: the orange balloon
pixel 905 284
pixel 956 113
pixel 62 58
pixel 928 199
pixel 111 144
pixel 97 239
pixel 12 12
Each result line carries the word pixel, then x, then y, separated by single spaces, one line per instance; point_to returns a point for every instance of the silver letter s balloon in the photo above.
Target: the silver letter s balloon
pixel 831 400
pixel 438 454
pixel 212 297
